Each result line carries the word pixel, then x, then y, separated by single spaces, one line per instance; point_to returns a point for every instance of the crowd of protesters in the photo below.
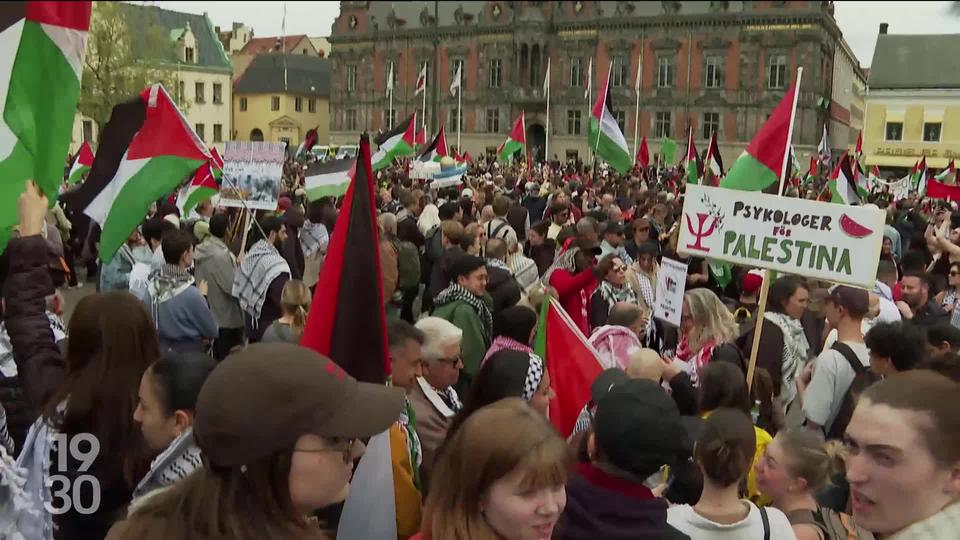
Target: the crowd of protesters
pixel 211 422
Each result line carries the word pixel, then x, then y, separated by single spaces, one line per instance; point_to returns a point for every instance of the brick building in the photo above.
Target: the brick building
pixel 708 66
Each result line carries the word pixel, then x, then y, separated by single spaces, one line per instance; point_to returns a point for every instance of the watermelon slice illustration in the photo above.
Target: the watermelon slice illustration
pixel 852 228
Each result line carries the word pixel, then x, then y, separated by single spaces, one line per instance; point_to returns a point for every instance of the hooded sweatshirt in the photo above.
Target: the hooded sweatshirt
pixel 689 522
pixel 600 505
pixel 215 266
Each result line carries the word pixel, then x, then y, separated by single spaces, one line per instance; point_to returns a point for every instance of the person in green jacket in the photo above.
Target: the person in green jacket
pixel 466 304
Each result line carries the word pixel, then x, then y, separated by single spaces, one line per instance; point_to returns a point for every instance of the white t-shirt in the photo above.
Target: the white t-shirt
pixel 684 519
pixel 832 378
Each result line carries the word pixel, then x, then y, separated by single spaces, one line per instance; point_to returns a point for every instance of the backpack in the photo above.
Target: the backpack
pixel 834 525
pixel 863 379
pixel 433 249
pixel 408 264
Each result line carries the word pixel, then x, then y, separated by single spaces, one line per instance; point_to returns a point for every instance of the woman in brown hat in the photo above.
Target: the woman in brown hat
pixel 278 427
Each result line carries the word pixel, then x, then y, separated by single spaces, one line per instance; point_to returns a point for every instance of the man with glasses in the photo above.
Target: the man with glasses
pixel 434 399
pixel 613 239
pixel 559 218
pixel 640 228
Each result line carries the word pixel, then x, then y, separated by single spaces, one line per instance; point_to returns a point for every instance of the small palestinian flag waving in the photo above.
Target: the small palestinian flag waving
pixel 43 46
pixel 347 322
pixel 604 135
pixel 437 148
pixel 760 166
pixel 146 150
pixel 309 140
pixel 81 163
pixel 713 171
pixel 398 142
pixel 516 140
pixel 329 179
pixel 691 162
pixel 945 174
pixel 203 185
pixel 843 186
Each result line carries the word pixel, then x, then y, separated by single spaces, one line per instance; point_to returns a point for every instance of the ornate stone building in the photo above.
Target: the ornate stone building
pixel 705 66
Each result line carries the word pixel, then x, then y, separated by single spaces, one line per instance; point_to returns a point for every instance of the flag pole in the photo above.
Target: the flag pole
pixel 767 275
pixel 546 144
pixel 636 114
pixel 459 109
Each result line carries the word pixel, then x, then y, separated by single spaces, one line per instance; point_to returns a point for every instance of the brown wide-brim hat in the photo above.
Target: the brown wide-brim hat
pixel 262 399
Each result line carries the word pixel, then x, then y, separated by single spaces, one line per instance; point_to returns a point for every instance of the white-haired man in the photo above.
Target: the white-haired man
pixel 434 399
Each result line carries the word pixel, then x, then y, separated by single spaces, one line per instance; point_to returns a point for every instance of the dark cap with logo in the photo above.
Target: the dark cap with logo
pixel 262 399
pixel 855 301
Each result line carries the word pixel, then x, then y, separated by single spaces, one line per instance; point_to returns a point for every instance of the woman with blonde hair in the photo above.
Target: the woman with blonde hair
pixel 705 324
pixel 295 302
pixel 512 485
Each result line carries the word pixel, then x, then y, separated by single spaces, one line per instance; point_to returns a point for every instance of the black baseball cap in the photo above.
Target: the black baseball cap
pixel 638 428
pixel 614 227
pixel 605 382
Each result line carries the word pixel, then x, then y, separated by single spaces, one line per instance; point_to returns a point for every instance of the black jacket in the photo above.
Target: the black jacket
pixel 503 288
pixel 603 506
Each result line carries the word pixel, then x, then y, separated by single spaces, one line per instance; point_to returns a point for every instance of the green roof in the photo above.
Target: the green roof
pixel 209 52
pixel 916 61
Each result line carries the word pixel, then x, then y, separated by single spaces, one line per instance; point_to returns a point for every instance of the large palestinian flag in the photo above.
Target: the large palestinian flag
pixel 42 45
pixel 330 178
pixel 398 142
pixel 347 322
pixel 760 166
pixel 437 148
pixel 604 135
pixel 146 150
pixel 516 140
pixel 81 163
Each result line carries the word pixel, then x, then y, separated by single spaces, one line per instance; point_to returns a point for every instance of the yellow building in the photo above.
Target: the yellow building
pixel 279 97
pixel 913 102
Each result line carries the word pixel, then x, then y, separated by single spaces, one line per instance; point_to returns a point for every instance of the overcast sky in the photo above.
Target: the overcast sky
pixel 859 21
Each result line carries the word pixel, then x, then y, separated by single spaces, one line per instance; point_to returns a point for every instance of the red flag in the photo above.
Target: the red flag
pixel 858 152
pixel 643 154
pixel 572 363
pixel 347 321
pixel 939 190
pixel 467 157
pixel 421 137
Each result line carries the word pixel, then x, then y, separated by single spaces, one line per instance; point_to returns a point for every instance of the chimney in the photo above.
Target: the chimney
pixel 883 28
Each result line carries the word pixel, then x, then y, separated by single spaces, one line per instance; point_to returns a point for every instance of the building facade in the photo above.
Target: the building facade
pixel 278 98
pixel 913 102
pixel 848 91
pixel 705 66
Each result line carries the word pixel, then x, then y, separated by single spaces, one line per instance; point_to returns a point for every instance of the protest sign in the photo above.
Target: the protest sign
pixel 671 282
pixel 251 174
pixel 827 241
pixel 139 278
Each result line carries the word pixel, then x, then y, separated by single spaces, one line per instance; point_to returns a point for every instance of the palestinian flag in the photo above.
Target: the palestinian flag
pixel 202 186
pixel 347 322
pixel 467 158
pixel 309 141
pixel 81 163
pixel 843 188
pixel 146 150
pixel 692 165
pixel 643 154
pixel 516 140
pixel 571 361
pixel 945 174
pixel 43 46
pixel 919 176
pixel 668 147
pixel 604 135
pixel 760 166
pixel 437 148
pixel 398 142
pixel 858 151
pixel 329 178
pixel 421 137
pixel 713 171
pixel 811 172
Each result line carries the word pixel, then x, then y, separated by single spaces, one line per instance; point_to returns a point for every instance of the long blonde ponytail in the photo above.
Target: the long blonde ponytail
pixel 295 301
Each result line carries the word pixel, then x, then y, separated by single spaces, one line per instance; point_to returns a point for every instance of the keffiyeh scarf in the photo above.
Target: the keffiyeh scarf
pixel 179 459
pixel 313 238
pixel 261 265
pixel 456 292
pixel 611 295
pixel 165 285
pixel 534 376
pixel 501 343
pixel 795 352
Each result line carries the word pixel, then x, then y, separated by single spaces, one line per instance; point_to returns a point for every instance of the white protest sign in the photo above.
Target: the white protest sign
pixel 834 242
pixel 139 278
pixel 671 282
pixel 251 174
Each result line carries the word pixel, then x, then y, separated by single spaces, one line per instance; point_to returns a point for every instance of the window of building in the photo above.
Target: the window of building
pixel 351 77
pixel 493 120
pixel 894 131
pixel 351 119
pixel 243 104
pixel 713 69
pixel 777 72
pixel 621 117
pixel 312 105
pixel 664 72
pixel 390 117
pixel 454 120
pixel 181 91
pixel 199 91
pixel 454 64
pixel 275 103
pixel 711 124
pixel 931 131
pixel 217 93
pixel 576 72
pixel 217 133
pixel 188 55
pixel 88 130
pixel 494 73
pixel 620 71
pixel 200 132
pixel 574 121
pixel 298 104
pixel 662 124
